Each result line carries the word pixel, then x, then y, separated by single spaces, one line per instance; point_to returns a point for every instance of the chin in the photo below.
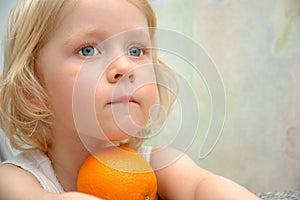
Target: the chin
pixel 118 137
pixel 111 132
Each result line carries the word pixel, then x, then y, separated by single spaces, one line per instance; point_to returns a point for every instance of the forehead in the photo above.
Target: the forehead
pixel 109 16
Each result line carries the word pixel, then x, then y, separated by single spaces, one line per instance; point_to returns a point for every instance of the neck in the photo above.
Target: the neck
pixel 67 154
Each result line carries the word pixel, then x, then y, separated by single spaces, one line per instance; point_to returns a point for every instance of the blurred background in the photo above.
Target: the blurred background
pixel 255 48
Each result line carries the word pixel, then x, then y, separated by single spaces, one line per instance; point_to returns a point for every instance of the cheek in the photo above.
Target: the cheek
pixel 150 96
pixel 59 86
pixel 60 98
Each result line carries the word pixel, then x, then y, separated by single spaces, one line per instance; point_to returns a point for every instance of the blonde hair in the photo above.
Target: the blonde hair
pixel 24 110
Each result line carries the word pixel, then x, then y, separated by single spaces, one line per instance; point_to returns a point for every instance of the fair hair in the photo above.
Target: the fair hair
pixel 24 111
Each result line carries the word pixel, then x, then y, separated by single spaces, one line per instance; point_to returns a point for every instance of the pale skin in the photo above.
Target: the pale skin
pixel 59 62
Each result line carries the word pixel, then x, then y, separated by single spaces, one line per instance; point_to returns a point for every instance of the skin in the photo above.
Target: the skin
pixel 59 63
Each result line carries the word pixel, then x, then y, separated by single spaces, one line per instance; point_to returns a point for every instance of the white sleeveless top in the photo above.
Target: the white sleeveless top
pixel 39 165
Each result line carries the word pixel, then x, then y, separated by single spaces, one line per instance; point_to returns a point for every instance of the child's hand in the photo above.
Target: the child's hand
pixel 74 196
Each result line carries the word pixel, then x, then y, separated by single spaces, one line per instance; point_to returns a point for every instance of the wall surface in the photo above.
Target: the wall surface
pixel 5 7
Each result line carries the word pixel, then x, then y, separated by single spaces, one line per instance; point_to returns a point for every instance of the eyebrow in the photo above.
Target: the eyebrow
pixel 88 32
pixel 100 35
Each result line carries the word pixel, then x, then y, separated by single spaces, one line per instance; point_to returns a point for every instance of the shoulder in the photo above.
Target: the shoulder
pixel 16 173
pixel 16 182
pixel 38 166
pixel 11 173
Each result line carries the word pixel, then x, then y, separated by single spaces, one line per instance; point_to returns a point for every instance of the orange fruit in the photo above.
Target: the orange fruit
pixel 117 173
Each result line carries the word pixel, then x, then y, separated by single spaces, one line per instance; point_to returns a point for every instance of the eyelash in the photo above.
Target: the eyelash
pixel 145 50
pixel 87 44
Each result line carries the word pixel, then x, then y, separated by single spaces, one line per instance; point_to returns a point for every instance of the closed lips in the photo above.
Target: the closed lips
pixel 123 99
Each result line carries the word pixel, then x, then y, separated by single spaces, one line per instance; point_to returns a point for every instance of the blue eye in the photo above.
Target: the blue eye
pixel 88 51
pixel 135 51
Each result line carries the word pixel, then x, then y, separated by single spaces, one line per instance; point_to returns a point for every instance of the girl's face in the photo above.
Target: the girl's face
pixel 97 81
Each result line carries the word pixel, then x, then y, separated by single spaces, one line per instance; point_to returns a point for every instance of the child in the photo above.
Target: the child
pixel 48 45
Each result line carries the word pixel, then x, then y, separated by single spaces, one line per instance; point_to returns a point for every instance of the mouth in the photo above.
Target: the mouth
pixel 123 99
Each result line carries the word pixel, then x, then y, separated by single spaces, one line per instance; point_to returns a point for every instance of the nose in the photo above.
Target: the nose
pixel 121 68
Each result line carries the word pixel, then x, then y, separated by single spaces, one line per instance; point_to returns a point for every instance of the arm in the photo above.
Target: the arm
pixel 183 179
pixel 16 183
